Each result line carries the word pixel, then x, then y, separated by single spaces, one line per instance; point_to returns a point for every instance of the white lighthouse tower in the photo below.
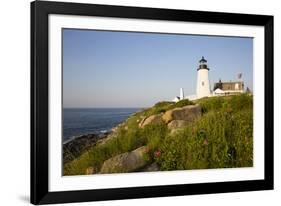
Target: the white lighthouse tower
pixel 203 83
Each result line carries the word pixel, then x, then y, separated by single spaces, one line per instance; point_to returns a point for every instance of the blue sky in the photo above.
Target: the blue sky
pixel 129 69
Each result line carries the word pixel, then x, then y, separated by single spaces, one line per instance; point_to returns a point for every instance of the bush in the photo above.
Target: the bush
pixel 161 107
pixel 154 135
pixel 163 104
pixel 211 103
pixel 221 138
pixel 183 103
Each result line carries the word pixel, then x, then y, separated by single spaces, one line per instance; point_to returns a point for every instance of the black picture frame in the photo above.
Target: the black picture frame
pixel 39 102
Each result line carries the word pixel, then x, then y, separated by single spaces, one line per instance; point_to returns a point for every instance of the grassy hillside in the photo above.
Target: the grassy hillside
pixel 221 138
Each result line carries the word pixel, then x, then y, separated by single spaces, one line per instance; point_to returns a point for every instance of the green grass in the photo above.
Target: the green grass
pixel 165 106
pixel 221 138
pixel 125 141
pixel 217 140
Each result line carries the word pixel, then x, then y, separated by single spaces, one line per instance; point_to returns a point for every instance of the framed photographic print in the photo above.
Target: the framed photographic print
pixel 131 102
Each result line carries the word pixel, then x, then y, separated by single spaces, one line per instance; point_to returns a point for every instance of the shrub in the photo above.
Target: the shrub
pixel 211 103
pixel 162 104
pixel 242 101
pixel 154 134
pixel 183 103
pixel 221 138
pixel 161 107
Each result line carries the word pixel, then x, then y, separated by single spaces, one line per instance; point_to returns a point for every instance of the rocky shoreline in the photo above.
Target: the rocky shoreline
pixel 76 146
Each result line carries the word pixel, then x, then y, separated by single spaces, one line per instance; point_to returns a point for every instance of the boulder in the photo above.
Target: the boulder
pixel 187 113
pixel 153 119
pixel 90 171
pixel 142 121
pixel 126 162
pixel 177 124
pixel 151 168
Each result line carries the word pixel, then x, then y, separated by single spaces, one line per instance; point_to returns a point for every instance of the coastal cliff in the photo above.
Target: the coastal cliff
pixel 215 132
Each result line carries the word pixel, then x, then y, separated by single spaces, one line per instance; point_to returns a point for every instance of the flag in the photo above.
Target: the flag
pixel 239 75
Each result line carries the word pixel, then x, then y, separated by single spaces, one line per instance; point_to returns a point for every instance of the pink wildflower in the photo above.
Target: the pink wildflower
pixel 157 153
pixel 206 142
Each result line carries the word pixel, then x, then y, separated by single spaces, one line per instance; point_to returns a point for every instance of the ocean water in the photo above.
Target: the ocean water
pixel 78 122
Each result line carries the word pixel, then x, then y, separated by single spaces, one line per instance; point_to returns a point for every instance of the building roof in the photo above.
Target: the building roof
pixel 219 91
pixel 230 82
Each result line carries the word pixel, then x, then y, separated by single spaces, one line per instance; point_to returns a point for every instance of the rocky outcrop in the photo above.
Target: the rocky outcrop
pixel 126 162
pixel 177 124
pixel 90 171
pixel 151 168
pixel 75 147
pixel 175 118
pixel 187 113
pixel 153 119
